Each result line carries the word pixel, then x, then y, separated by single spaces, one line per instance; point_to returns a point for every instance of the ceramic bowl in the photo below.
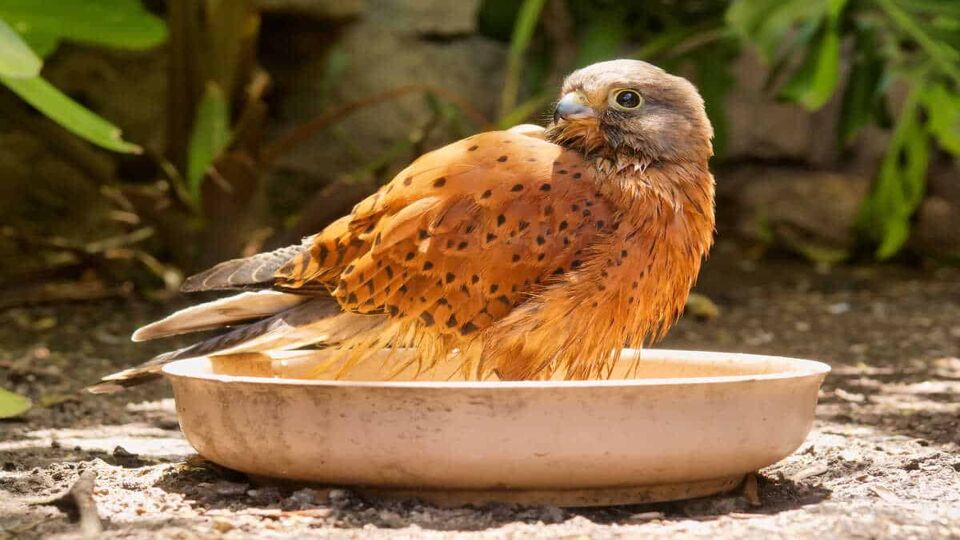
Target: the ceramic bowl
pixel 685 424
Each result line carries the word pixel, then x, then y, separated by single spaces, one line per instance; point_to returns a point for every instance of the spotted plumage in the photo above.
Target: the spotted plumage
pixel 440 251
pixel 526 253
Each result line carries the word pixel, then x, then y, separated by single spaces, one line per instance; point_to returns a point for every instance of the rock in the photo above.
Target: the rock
pixel 812 213
pixel 305 496
pixel 44 195
pixel 935 230
pixel 222 524
pixel 760 127
pixel 942 179
pixel 645 516
pixel 127 88
pixel 938 218
pixel 438 17
pixel 317 9
pixel 382 50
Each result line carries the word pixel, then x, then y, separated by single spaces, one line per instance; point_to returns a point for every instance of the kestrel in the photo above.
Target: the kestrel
pixel 524 253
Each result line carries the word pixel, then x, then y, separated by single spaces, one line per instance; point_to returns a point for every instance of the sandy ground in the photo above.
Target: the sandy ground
pixel 883 460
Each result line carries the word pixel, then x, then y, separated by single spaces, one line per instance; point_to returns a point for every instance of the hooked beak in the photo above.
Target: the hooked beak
pixel 572 106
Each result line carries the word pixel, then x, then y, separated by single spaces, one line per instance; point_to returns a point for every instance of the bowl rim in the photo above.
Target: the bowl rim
pixel 185 369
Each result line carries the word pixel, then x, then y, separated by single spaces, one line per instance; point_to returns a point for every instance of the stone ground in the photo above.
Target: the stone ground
pixel 883 460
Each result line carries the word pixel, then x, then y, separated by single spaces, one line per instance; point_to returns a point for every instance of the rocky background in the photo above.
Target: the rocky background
pixel 783 184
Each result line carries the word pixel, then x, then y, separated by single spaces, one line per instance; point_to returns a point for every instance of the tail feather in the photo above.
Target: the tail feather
pixel 219 313
pixel 318 321
pixel 255 271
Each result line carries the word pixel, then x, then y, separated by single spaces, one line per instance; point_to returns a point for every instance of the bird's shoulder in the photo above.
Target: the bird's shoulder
pixel 466 232
pixel 492 168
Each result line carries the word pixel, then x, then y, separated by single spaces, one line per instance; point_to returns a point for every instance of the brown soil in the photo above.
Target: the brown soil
pixel 882 462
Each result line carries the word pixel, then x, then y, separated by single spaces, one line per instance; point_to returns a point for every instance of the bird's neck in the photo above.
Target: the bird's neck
pixel 683 188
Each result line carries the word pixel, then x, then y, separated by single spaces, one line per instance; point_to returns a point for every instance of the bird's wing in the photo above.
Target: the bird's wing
pixel 255 272
pixel 459 237
pixel 453 244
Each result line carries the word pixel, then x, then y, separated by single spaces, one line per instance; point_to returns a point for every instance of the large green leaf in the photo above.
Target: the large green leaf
pixel 767 23
pixel 16 58
pixel 715 80
pixel 900 184
pixel 113 23
pixel 210 137
pixel 940 53
pixel 943 113
pixel 43 44
pixel 814 83
pixel 863 95
pixel 523 30
pixel 12 404
pixel 69 114
pixel 932 7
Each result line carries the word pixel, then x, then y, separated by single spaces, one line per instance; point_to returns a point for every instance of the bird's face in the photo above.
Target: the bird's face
pixel 631 111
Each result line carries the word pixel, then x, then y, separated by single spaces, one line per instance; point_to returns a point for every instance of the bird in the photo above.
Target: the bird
pixel 529 253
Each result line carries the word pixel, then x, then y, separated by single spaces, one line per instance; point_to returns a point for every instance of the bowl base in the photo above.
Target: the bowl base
pixel 446 498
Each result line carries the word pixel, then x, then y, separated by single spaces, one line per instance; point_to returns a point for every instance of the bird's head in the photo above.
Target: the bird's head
pixel 631 112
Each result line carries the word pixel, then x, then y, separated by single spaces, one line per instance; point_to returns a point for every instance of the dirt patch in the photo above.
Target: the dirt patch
pixel 882 462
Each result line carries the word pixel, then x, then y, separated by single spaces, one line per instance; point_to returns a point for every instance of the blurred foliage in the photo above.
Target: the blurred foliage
pixel 17 60
pixel 122 24
pixel 890 63
pixel 519 42
pixel 30 30
pixel 210 137
pixel 12 404
pixel 213 116
pixel 911 43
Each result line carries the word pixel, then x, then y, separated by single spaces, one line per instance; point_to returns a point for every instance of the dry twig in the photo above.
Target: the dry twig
pixel 77 502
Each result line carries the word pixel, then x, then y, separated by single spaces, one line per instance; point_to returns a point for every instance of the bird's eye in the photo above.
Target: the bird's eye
pixel 626 99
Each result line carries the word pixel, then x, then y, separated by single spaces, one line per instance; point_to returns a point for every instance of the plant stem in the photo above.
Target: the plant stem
pixel 681 41
pixel 182 78
pixel 933 48
pixel 522 34
pixel 525 110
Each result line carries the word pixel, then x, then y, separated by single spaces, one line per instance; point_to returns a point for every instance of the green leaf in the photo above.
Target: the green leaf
pixel 900 185
pixel 42 43
pixel 943 113
pixel 940 53
pixel 210 136
pixel 863 96
pixel 933 7
pixel 12 404
pixel 814 83
pixel 767 23
pixel 715 80
pixel 122 24
pixel 16 58
pixel 525 110
pixel 795 44
pixel 75 118
pixel 523 30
